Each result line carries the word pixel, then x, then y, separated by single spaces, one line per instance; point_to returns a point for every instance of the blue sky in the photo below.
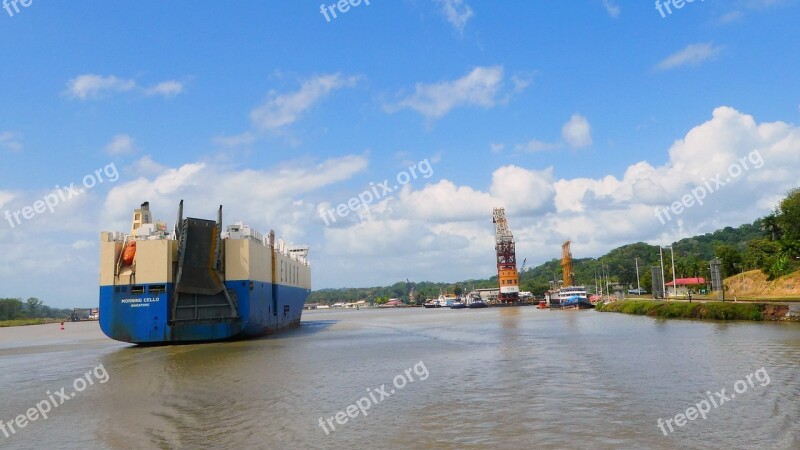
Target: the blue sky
pixel 581 118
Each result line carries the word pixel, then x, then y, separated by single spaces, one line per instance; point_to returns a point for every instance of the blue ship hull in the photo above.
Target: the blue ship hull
pixel 144 317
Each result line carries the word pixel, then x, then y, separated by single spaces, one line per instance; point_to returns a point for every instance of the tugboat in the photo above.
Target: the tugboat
pixel 477 304
pixel 432 304
pixel 458 305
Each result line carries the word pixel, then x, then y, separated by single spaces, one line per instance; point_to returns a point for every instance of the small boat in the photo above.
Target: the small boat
pixel 477 304
pixel 576 302
pixel 542 305
pixel 458 305
pixel 432 304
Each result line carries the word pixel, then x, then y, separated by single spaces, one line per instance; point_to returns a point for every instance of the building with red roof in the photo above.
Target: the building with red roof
pixel 681 286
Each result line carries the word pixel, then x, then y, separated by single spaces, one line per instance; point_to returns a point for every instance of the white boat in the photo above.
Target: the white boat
pixel 446 301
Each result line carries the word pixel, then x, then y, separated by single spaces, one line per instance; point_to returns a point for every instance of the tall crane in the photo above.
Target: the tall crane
pixel 568 276
pixel 507 275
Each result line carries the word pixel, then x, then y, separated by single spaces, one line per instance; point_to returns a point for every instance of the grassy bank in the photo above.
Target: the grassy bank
pixel 22 322
pixel 685 310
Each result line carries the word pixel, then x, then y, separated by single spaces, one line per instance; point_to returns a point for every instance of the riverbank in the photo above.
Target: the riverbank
pixel 24 322
pixel 706 310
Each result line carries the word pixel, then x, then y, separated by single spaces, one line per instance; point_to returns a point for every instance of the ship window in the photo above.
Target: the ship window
pixel 157 288
pixel 137 289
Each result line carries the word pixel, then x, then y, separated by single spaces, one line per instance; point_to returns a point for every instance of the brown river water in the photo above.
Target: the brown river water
pixel 412 378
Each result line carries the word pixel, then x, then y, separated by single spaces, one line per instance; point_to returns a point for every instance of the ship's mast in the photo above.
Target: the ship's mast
pixel 507 275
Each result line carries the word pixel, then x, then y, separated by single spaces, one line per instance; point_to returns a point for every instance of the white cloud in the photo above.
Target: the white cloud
pixel 82 243
pixel 612 8
pixel 146 166
pixel 729 17
pixel 478 88
pixel 90 86
pixel 534 146
pixel 120 144
pixel 523 190
pixel 237 140
pixel 285 109
pixel 10 141
pixel 693 54
pixel 598 214
pixel 166 89
pixel 577 132
pixel 522 81
pixel 457 12
pixel 444 226
pixel 248 194
pixel 497 147
pixel 5 197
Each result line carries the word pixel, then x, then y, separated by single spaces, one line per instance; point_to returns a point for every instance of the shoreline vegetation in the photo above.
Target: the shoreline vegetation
pixel 25 322
pixel 702 310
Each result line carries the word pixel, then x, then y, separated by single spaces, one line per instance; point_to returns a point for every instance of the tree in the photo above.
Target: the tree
pixel 769 225
pixel 788 217
pixel 760 252
pixel 11 308
pixel 730 257
pixel 33 306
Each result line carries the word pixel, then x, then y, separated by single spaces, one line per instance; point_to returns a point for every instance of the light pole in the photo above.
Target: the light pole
pixel 638 286
pixel 663 280
pixel 674 285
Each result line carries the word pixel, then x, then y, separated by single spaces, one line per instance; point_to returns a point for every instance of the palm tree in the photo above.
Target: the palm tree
pixel 769 225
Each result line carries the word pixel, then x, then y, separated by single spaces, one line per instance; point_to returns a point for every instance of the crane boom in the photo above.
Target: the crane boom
pixel 507 275
pixel 568 276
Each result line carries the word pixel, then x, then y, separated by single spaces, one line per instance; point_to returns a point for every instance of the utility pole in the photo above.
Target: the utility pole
pixel 674 286
pixel 638 286
pixel 595 284
pixel 663 280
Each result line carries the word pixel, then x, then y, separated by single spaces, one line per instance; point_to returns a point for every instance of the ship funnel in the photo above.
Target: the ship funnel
pixel 141 216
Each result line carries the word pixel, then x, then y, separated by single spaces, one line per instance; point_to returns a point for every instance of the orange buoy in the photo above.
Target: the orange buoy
pixel 129 253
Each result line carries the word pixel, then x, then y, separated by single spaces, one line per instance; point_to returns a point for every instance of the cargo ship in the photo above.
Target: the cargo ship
pixel 198 283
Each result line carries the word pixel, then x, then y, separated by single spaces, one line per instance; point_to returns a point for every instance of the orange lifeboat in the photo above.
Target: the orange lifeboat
pixel 129 253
